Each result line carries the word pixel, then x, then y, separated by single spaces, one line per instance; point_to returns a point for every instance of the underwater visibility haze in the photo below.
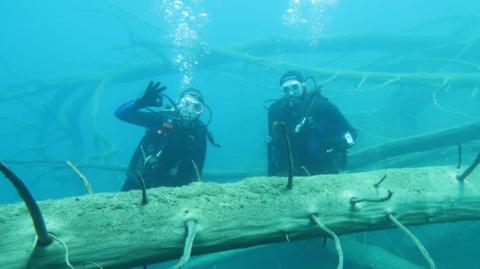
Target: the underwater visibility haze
pixel 84 85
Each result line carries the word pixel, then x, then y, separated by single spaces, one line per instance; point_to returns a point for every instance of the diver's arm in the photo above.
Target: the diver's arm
pixel 130 112
pixel 345 130
pixel 152 96
pixel 345 133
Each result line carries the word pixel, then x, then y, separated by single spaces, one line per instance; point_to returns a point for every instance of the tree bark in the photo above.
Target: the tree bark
pixel 116 231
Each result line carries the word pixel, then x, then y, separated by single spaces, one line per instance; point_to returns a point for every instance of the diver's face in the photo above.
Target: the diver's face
pixel 292 88
pixel 189 107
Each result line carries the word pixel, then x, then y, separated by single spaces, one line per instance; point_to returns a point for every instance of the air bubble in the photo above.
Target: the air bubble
pixel 308 16
pixel 183 21
pixel 177 4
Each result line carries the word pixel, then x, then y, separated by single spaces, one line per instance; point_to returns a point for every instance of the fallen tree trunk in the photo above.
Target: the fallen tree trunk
pixel 116 231
pixel 446 137
pixel 440 156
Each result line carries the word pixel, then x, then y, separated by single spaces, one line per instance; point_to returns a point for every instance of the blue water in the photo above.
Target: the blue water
pixel 45 43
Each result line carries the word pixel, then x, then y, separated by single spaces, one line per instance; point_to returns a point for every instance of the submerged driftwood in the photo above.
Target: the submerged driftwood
pixel 422 142
pixel 116 231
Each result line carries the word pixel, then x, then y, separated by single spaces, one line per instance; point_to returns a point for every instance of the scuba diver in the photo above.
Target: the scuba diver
pixel 318 134
pixel 172 151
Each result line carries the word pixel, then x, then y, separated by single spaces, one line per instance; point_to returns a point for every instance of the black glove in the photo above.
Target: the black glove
pixel 152 95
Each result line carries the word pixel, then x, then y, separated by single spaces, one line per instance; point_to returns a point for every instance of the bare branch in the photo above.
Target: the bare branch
pixel 84 179
pixel 412 237
pixel 191 226
pixel 335 238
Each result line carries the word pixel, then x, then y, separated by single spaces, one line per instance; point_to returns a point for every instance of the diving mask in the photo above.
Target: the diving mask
pixel 189 107
pixel 292 88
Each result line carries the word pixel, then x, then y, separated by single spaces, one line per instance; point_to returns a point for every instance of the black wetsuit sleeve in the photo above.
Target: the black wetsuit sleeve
pixel 130 112
pixel 326 111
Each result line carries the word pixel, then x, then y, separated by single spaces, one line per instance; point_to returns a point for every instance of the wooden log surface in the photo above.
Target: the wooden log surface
pixel 116 231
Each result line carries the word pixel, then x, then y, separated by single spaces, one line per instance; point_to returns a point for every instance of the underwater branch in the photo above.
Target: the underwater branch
pixel 423 142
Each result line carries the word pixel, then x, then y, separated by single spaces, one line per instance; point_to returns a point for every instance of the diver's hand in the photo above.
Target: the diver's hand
pixel 152 95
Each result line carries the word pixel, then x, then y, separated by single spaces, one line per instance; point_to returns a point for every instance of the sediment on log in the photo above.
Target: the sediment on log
pixel 113 230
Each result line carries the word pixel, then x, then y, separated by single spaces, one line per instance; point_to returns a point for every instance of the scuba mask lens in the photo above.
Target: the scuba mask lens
pixel 292 88
pixel 189 107
pixel 197 108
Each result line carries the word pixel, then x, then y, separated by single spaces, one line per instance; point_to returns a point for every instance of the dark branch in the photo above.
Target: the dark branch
pixel 144 189
pixel 376 185
pixel 355 200
pixel 469 169
pixel 44 238
pixel 290 157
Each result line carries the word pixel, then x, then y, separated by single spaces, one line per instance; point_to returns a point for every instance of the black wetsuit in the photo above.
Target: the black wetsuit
pixel 171 151
pixel 317 144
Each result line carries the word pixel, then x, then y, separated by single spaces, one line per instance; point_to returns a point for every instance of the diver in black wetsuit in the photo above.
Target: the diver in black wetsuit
pixel 173 149
pixel 319 134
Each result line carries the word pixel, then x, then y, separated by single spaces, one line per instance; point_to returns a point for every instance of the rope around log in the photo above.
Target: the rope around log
pixel 335 238
pixel 191 226
pixel 412 237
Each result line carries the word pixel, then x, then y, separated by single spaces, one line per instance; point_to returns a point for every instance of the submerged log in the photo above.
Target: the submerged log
pixel 116 231
pixel 423 142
